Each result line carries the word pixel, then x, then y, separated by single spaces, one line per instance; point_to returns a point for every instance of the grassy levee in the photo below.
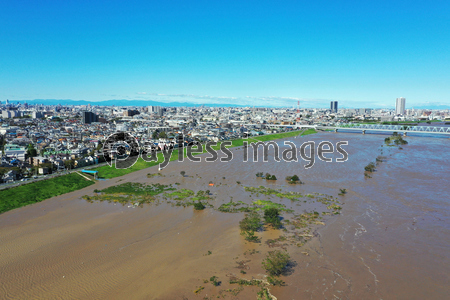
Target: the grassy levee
pixel 108 172
pixel 276 136
pixel 38 191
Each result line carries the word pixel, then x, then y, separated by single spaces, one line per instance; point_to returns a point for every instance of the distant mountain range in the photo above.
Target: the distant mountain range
pixel 191 104
pixel 430 106
pixel 120 103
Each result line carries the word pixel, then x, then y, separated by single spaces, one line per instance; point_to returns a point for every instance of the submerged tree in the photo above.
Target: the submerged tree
pixel 276 262
pixel 343 192
pixel 272 217
pixel 249 225
pixel 370 167
pixel 199 206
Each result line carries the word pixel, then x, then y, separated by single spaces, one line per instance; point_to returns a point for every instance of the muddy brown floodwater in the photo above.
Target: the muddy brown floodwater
pixel 391 240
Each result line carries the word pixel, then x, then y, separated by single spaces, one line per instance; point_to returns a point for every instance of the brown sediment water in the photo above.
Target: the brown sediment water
pixel 391 240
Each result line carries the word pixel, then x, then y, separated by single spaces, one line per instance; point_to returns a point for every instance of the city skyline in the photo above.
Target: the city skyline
pixel 323 104
pixel 362 55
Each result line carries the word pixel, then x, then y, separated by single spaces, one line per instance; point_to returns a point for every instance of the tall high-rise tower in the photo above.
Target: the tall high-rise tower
pixel 334 106
pixel 400 106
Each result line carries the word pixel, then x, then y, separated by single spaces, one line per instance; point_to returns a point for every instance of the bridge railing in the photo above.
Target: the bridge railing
pixel 396 128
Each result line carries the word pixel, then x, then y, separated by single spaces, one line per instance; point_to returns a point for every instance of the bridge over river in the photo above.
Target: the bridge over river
pixel 373 128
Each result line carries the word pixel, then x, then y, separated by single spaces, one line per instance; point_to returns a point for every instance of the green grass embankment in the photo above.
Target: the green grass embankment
pixel 38 191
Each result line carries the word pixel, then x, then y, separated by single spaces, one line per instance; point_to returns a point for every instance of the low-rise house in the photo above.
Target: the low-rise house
pixel 10 176
pixel 86 161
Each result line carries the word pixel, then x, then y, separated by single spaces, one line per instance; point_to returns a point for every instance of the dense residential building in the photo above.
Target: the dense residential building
pixel 89 117
pixel 10 114
pixel 130 113
pixel 37 115
pixel 158 110
pixel 15 151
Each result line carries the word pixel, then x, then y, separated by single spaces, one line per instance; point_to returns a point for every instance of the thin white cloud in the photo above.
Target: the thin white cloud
pixel 263 101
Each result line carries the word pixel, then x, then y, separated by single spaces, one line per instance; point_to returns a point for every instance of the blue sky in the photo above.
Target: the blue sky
pixel 361 53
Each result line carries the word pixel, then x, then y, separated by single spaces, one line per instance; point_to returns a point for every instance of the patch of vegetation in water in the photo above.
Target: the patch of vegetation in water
pixel 276 192
pixel 272 217
pixel 246 282
pixel 264 294
pixel 325 199
pixel 280 242
pixel 233 207
pixel 275 281
pixel 200 288
pixel 300 225
pixel 276 262
pixel 251 252
pixel 342 192
pixel 395 140
pixel 257 205
pixel 380 159
pixel 134 188
pixel 215 280
pixel 130 192
pixel 267 176
pixel 233 292
pixel 151 175
pixel 202 195
pixel 370 167
pixel 305 219
pixel 267 204
pixel 186 197
pixel 249 225
pixel 294 179
pixel 120 198
pixel 180 194
pixel 199 206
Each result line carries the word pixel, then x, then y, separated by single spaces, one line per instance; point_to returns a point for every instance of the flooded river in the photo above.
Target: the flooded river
pixel 390 241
